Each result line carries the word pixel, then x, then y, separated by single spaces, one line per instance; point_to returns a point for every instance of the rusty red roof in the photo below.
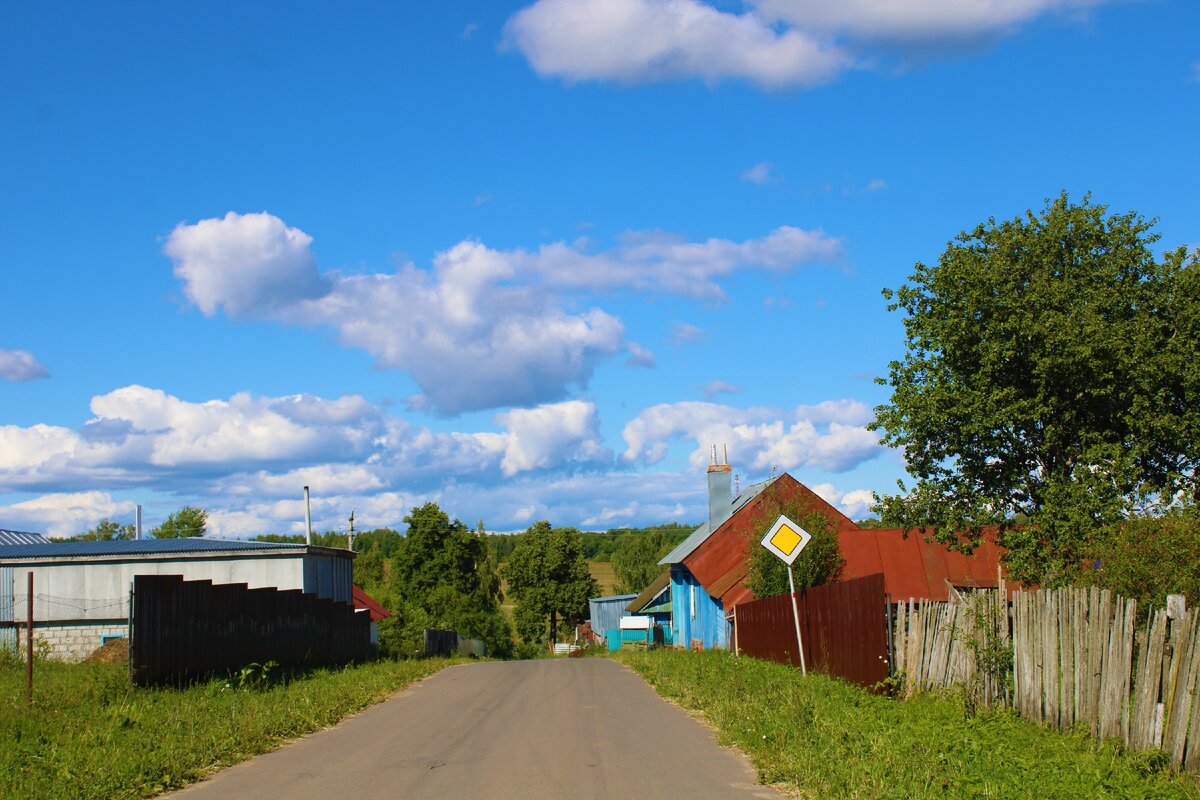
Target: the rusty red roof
pixel 720 562
pixel 911 567
pixel 917 569
pixel 362 600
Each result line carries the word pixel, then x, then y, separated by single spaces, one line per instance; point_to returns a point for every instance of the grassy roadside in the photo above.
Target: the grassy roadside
pixel 823 738
pixel 92 735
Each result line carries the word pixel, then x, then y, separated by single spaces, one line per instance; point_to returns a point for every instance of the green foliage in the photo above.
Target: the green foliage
pixel 635 561
pixel 1147 559
pixel 600 547
pixel 187 521
pixel 819 563
pixel 820 737
pixel 1050 372
pixel 257 677
pixel 548 576
pixel 92 736
pixel 108 530
pixel 443 576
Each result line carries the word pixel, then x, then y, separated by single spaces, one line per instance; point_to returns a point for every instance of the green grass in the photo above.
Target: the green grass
pixel 822 738
pixel 91 734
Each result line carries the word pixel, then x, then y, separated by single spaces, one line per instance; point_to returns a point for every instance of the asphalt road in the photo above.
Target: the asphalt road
pixel 525 730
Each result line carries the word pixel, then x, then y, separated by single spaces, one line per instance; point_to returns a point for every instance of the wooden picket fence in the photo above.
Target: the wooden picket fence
pixel 1063 657
pixel 960 643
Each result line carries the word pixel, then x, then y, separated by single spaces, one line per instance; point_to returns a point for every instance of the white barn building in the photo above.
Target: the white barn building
pixel 81 589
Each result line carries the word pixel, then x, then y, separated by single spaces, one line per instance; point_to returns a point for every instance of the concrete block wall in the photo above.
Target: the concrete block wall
pixel 71 642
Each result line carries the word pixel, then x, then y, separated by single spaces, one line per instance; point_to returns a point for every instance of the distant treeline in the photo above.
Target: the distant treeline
pixel 596 546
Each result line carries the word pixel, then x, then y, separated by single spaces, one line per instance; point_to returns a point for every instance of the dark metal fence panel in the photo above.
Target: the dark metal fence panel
pixel 184 631
pixel 843 625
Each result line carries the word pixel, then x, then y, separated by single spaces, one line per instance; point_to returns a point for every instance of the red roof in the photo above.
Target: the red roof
pixel 915 568
pixel 911 567
pixel 362 600
pixel 721 561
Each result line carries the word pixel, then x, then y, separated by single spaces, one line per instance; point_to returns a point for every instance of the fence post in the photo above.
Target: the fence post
pixel 29 645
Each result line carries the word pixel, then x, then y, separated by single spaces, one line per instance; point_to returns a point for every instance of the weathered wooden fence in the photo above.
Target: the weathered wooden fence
pixel 1071 656
pixel 185 631
pixel 843 626
pixel 961 643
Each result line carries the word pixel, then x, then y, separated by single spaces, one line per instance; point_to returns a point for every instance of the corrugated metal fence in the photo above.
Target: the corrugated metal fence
pixel 450 643
pixel 843 625
pixel 184 631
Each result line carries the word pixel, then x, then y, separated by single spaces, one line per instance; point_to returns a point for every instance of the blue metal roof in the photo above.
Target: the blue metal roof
pixel 20 537
pixel 698 536
pixel 75 548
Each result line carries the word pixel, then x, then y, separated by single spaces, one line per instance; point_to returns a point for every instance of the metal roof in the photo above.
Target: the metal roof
pixel 698 536
pixel 21 537
pixel 76 548
pixel 648 595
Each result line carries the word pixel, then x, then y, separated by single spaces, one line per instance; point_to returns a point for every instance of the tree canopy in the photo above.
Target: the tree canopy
pixel 548 577
pixel 443 576
pixel 1050 375
pixel 635 560
pixel 108 530
pixel 187 521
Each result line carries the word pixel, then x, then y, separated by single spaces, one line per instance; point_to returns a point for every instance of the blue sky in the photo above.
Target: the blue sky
pixel 529 260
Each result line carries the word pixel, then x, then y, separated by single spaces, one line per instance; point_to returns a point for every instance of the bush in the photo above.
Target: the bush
pixel 1146 559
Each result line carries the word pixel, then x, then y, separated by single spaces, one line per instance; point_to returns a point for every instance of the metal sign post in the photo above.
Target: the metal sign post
pixel 786 539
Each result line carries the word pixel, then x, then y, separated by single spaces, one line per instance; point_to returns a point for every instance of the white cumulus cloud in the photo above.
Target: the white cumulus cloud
pixel 649 40
pixel 248 264
pixel 20 366
pixel 65 513
pixel 773 43
pixel 830 436
pixel 484 328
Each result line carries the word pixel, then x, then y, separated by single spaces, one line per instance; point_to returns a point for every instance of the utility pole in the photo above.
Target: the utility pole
pixel 350 536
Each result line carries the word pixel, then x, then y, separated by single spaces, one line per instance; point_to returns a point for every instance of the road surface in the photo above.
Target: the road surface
pixel 519 730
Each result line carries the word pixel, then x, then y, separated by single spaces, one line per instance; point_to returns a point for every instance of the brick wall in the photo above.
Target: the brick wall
pixel 65 641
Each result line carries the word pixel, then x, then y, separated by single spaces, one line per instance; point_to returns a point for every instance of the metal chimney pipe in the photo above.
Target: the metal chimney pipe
pixel 137 522
pixel 307 519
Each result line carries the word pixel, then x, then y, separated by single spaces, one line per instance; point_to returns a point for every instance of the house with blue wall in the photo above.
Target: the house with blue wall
pixel 697 618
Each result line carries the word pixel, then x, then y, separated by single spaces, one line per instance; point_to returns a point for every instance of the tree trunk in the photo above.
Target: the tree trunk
pixel 553 628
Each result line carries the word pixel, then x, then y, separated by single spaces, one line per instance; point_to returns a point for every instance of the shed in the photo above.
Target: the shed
pixel 604 613
pixel 82 588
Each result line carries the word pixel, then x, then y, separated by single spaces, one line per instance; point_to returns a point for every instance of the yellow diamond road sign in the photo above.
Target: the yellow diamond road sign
pixel 786 539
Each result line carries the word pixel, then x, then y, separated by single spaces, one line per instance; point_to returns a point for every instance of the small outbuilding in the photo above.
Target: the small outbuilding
pixel 82 588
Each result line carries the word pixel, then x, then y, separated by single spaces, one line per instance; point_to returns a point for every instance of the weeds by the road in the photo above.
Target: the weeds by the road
pixel 824 738
pixel 91 734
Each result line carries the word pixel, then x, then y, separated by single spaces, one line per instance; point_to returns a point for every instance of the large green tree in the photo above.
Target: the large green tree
pixel 1051 378
pixel 187 521
pixel 549 578
pixel 442 576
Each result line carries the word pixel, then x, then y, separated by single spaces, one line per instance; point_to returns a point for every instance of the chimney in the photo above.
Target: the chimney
pixel 137 522
pixel 720 491
pixel 307 519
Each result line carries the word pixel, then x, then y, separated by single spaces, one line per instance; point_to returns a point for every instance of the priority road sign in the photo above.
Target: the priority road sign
pixel 786 539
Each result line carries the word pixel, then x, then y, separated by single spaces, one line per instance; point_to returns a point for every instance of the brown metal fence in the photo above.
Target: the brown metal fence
pixel 843 626
pixel 185 631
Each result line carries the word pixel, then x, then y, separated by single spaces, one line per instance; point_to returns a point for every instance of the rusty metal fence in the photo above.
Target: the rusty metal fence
pixel 186 631
pixel 843 625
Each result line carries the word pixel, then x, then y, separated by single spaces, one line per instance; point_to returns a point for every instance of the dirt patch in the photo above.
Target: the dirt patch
pixel 115 651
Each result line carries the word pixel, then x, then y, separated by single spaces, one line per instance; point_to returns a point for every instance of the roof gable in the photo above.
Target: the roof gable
pixel 721 562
